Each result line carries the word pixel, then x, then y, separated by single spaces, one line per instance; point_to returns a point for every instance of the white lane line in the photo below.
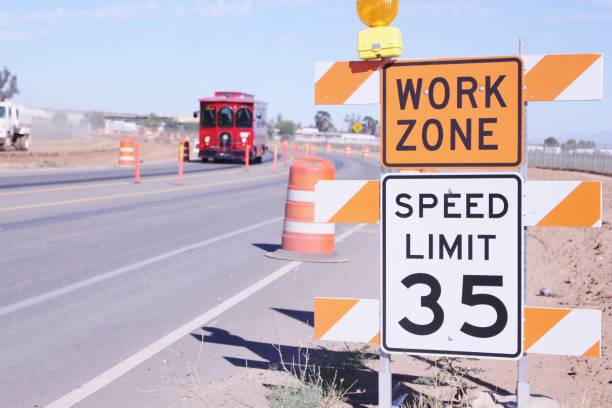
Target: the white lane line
pixel 113 373
pixel 23 304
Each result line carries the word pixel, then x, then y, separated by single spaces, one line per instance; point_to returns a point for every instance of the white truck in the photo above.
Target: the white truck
pixel 12 133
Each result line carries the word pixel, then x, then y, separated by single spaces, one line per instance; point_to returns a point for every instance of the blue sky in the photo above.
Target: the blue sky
pixel 161 56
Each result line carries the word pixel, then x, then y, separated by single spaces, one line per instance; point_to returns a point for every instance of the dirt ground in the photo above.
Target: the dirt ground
pixel 575 263
pixel 97 151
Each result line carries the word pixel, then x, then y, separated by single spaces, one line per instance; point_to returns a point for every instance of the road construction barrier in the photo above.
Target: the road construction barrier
pixel 366 152
pixel 184 150
pixel 247 158
pixel 127 153
pixel 347 150
pixel 181 161
pixel 328 147
pixel 566 203
pixel 556 331
pixel 551 77
pixel 303 239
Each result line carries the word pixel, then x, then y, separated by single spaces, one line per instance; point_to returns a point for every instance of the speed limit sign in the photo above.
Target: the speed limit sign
pixel 452 264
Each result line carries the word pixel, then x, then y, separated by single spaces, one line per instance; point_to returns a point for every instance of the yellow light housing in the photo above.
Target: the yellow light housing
pixel 377 13
pixel 380 40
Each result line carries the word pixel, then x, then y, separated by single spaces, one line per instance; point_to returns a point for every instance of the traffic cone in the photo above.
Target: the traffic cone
pixel 184 150
pixel 303 239
pixel 366 152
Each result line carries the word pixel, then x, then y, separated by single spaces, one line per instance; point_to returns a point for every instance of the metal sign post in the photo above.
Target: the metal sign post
pixel 385 383
pixel 523 388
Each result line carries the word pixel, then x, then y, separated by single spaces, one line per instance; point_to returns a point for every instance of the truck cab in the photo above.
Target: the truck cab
pixel 12 133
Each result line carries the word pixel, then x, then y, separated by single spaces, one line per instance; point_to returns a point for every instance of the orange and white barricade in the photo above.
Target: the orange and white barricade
pixel 347 150
pixel 556 331
pixel 547 203
pixel 328 148
pixel 127 153
pixel 550 77
pixel 303 239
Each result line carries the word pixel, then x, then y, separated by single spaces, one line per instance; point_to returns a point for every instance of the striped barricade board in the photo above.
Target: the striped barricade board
pixel 546 204
pixel 551 77
pixel 554 331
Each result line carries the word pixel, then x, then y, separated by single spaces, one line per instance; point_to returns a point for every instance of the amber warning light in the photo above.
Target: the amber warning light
pixel 380 40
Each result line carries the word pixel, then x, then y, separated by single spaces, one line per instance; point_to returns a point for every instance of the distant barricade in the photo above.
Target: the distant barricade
pixel 341 141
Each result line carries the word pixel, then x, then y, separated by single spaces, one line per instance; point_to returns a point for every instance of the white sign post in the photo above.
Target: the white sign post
pixel 452 264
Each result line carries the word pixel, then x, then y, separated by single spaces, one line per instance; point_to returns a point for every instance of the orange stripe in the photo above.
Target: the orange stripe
pixel 363 207
pixel 554 73
pixel 581 208
pixel 594 351
pixel 538 321
pixel 375 340
pixel 299 211
pixel 328 312
pixel 342 80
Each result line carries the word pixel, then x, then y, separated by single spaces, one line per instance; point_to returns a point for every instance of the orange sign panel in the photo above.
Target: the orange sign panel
pixel 452 113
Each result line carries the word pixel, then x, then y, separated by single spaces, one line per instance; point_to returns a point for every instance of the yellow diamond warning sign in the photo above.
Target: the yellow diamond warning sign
pixel 453 113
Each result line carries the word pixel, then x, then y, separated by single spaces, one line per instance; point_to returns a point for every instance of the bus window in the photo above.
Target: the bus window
pixel 2 111
pixel 244 118
pixel 207 117
pixel 226 117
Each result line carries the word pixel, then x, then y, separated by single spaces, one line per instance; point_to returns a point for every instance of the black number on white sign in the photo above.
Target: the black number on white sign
pixel 468 297
pixel 430 301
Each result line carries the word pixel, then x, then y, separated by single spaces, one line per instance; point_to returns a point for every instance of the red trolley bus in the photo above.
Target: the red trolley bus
pixel 229 122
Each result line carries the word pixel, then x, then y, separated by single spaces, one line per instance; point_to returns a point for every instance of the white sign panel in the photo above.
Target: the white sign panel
pixel 452 264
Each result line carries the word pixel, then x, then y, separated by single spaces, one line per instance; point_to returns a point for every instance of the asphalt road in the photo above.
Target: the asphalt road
pixel 104 282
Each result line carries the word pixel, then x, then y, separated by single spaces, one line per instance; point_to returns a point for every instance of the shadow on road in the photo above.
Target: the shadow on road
pixel 348 364
pixel 353 365
pixel 267 247
pixel 304 316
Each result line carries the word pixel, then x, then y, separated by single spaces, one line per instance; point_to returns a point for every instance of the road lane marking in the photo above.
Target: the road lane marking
pixel 145 180
pixel 113 373
pixel 137 194
pixel 5 310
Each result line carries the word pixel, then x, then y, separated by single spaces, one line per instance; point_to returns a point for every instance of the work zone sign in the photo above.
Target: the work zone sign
pixel 453 113
pixel 452 264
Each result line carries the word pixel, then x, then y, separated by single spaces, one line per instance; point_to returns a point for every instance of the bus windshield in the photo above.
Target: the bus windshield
pixel 208 117
pixel 226 117
pixel 244 118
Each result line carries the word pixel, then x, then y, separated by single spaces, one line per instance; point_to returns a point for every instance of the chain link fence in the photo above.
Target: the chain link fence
pixel 593 160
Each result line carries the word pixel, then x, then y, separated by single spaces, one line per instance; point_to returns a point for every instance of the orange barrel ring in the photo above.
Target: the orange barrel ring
pixel 184 146
pixel 127 153
pixel 301 233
